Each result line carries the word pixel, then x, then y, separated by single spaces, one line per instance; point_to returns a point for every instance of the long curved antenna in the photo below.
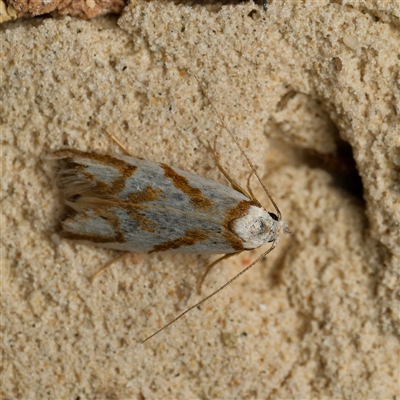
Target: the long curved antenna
pixel 278 212
pixel 213 293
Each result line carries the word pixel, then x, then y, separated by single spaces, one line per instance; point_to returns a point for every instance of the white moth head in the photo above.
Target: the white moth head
pixel 258 227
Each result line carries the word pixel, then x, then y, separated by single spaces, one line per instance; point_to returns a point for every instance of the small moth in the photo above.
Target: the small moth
pixel 131 204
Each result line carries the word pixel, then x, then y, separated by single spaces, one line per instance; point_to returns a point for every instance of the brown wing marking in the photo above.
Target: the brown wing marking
pixel 149 193
pixel 191 237
pixel 196 197
pixel 125 169
pixel 97 238
pixel 241 209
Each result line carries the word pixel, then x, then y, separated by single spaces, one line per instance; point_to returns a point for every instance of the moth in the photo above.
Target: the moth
pixel 131 204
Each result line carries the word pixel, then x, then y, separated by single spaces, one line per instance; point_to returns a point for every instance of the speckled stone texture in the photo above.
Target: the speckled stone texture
pixel 312 91
pixel 13 9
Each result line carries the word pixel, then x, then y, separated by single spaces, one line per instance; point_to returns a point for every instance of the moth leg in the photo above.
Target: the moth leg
pixel 233 183
pixel 108 264
pixel 251 192
pixel 117 141
pixel 209 268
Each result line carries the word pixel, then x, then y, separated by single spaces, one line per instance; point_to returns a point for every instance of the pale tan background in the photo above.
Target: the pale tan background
pixel 319 318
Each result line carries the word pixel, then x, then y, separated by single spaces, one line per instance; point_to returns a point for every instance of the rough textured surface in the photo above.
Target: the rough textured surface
pixel 13 9
pixel 319 318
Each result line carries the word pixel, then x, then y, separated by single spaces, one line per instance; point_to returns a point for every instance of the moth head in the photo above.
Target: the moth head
pixel 258 227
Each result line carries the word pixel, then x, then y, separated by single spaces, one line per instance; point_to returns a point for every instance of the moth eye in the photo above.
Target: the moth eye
pixel 273 216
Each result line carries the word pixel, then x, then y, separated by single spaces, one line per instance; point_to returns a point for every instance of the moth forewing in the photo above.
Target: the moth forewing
pixel 129 204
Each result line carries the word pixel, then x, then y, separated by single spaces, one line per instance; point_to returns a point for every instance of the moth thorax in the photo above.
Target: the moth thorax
pixel 255 228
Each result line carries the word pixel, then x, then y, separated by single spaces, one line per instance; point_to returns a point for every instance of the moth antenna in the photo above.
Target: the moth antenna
pixel 213 293
pixel 241 149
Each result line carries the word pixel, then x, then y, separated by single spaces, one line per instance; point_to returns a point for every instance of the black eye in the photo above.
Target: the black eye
pixel 273 216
